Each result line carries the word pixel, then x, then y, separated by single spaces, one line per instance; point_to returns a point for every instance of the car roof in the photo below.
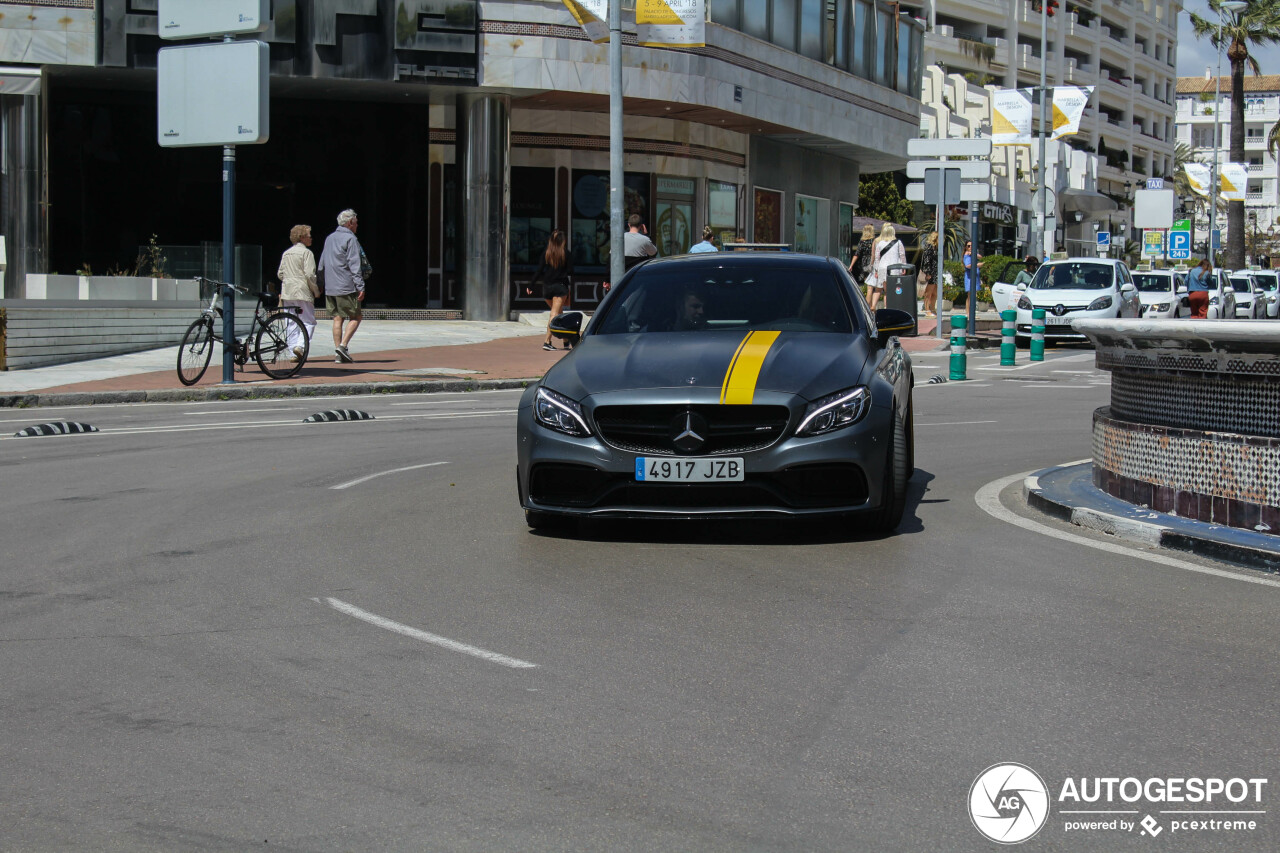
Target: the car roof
pixel 1083 259
pixel 798 260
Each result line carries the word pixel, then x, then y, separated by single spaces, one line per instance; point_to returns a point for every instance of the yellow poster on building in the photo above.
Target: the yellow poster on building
pixel 671 23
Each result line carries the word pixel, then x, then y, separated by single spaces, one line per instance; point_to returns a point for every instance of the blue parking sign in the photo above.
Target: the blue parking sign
pixel 1179 245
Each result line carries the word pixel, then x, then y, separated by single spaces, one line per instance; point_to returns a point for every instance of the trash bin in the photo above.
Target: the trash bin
pixel 900 291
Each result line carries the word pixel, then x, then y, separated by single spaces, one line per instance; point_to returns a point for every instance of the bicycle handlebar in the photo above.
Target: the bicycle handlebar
pixel 237 288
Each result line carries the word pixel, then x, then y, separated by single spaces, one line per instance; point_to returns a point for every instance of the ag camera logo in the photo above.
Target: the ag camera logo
pixel 1008 803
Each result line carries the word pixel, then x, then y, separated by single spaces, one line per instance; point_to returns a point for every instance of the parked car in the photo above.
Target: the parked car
pixel 711 386
pixel 1002 290
pixel 1074 289
pixel 1251 300
pixel 1222 296
pixel 1267 280
pixel 1163 294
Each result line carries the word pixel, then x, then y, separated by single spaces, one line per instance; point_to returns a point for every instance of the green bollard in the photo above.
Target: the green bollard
pixel 1037 334
pixel 1008 349
pixel 959 345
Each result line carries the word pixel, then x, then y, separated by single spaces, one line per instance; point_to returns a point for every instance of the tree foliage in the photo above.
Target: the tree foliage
pixel 879 198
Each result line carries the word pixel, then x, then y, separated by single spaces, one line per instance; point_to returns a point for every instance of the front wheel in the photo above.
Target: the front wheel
pixel 281 346
pixel 893 491
pixel 196 350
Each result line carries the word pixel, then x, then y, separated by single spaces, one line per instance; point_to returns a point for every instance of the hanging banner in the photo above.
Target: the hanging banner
pixel 1068 107
pixel 671 23
pixel 1010 117
pixel 593 15
pixel 1198 177
pixel 1233 180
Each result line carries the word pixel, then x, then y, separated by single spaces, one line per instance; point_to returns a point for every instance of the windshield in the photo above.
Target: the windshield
pixel 1266 280
pixel 677 297
pixel 1072 275
pixel 1240 284
pixel 1151 283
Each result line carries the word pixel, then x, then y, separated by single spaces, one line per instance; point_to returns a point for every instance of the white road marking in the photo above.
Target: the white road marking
pixel 956 423
pixel 369 477
pixel 1086 372
pixel 434 639
pixel 988 499
pixel 244 411
pixel 925 383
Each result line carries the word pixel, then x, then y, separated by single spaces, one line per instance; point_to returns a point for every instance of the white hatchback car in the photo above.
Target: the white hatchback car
pixel 1222 296
pixel 1267 281
pixel 1251 300
pixel 1163 294
pixel 1074 289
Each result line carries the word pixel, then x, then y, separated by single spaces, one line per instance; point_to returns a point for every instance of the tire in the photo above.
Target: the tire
pixel 196 351
pixel 893 491
pixel 911 438
pixel 271 347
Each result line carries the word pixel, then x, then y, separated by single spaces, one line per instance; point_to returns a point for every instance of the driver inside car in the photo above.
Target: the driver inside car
pixel 690 312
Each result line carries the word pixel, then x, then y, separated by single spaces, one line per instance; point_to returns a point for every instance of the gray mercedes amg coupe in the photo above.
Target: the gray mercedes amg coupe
pixel 728 385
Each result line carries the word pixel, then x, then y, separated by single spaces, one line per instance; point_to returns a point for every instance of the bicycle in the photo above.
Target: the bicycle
pixel 267 343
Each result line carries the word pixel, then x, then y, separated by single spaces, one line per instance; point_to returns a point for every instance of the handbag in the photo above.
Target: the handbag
pixel 366 268
pixel 320 280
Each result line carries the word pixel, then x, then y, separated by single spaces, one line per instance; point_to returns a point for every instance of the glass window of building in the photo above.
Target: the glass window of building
pixel 722 211
pixel 784 24
pixel 755 18
pixel 725 13
pixel 864 29
pixel 589 229
pixel 812 15
pixel 843 26
pixel 885 36
pixel 533 205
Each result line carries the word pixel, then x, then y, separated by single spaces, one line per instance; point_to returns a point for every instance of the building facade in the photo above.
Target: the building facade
pixel 1127 49
pixel 464 132
pixel 1199 104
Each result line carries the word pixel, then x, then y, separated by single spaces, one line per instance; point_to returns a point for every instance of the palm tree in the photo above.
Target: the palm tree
pixel 1258 25
pixel 954 234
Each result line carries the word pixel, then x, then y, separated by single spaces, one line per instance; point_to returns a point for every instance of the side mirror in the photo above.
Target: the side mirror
pixel 567 326
pixel 1182 290
pixel 1127 287
pixel 891 322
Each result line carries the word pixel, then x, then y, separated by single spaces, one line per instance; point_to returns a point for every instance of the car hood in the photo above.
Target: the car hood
pixel 809 364
pixel 1065 296
pixel 1149 298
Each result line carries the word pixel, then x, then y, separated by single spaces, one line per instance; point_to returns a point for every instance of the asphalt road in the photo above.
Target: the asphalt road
pixel 224 629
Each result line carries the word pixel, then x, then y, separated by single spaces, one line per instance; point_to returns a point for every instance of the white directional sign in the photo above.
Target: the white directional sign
pixel 968 192
pixel 189 19
pixel 969 169
pixel 212 94
pixel 949 147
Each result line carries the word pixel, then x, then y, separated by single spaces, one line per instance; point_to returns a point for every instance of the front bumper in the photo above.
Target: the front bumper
pixel 1058 331
pixel 838 473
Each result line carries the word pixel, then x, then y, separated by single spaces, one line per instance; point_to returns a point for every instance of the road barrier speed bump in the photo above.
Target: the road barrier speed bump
pixel 959 345
pixel 1037 334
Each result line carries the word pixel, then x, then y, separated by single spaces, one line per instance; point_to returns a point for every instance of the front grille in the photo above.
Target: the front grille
pixel 802 487
pixel 730 429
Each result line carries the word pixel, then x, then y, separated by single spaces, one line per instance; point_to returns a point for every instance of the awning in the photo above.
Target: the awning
pixel 1086 201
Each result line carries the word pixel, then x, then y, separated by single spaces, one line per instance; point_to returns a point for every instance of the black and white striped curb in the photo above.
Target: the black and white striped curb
pixel 56 428
pixel 337 415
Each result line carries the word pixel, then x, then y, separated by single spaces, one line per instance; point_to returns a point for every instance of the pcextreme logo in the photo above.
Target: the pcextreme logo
pixel 1010 803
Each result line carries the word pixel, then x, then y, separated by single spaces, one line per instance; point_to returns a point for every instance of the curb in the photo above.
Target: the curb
pixel 258 392
pixel 1145 533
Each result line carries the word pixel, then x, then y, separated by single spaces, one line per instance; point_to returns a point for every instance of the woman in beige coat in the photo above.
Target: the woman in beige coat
pixel 297 275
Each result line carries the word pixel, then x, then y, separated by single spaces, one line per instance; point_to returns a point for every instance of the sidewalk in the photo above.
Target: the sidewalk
pixel 1068 493
pixel 409 356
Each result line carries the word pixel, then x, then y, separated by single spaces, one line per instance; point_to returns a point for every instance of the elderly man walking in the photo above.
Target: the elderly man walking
pixel 343 282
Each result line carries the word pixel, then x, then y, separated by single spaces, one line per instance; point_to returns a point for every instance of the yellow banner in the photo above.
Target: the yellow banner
pixel 671 23
pixel 593 15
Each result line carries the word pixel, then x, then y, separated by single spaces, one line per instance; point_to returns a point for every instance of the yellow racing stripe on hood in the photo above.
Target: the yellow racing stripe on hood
pixel 739 386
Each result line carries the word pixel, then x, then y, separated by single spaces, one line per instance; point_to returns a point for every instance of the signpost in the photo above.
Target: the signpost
pixel 944 184
pixel 215 94
pixel 1104 243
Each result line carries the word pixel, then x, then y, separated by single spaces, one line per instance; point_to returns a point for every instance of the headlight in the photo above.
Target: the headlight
pixel 558 412
pixel 1099 303
pixel 1161 306
pixel 1213 300
pixel 1025 303
pixel 835 411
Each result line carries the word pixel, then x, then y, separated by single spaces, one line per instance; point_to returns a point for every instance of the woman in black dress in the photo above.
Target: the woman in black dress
pixel 929 273
pixel 860 264
pixel 556 274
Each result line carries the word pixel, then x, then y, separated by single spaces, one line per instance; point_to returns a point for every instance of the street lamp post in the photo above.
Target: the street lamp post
pixel 1253 224
pixel 1235 7
pixel 1189 207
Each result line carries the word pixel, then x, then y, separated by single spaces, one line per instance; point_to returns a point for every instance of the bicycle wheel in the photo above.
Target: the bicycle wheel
pixel 197 349
pixel 272 350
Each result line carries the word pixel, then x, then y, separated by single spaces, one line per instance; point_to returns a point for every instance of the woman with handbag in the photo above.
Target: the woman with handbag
pixel 556 274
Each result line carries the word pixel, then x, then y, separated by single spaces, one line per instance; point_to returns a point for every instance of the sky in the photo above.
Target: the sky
pixel 1194 54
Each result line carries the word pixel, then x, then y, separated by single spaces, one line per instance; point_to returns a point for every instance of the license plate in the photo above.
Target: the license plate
pixel 668 470
pixel 1057 321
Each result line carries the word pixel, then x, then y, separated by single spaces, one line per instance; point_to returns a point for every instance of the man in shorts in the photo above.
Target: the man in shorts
pixel 343 283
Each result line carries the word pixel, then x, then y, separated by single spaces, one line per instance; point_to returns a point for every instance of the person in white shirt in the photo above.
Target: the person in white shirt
pixel 888 250
pixel 298 288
